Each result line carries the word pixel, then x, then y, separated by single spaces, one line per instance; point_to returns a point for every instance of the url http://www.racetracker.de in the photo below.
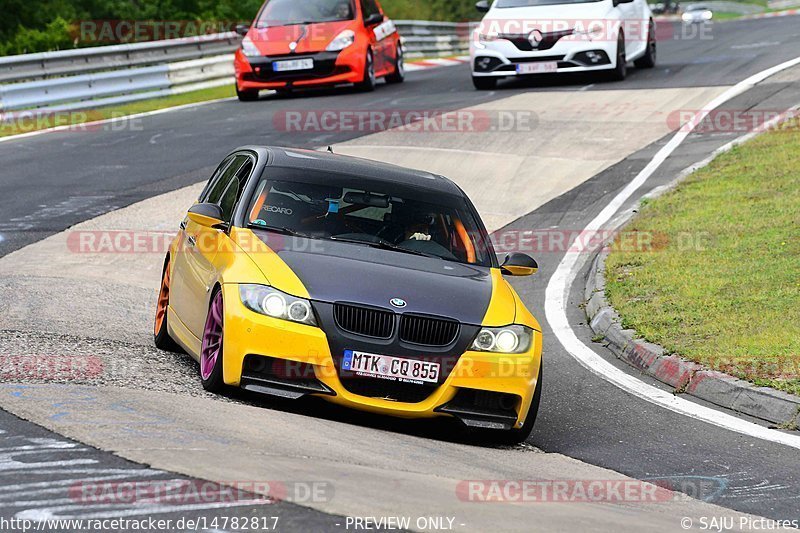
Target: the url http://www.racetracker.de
pixel 202 523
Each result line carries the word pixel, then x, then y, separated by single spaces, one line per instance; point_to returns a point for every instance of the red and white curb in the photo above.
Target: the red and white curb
pixel 773 14
pixel 685 377
pixel 415 66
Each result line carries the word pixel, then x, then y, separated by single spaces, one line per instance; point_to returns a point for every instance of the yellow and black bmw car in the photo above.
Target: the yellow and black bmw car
pixel 375 287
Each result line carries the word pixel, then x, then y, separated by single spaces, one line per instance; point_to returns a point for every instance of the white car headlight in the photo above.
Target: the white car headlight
pixel 342 41
pixel 272 302
pixel 249 48
pixel 509 339
pixel 593 32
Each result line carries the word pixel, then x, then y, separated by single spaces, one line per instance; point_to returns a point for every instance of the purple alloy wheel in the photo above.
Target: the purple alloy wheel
pixel 212 338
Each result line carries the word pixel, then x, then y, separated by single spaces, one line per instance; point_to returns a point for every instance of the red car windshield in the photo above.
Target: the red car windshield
pixel 289 12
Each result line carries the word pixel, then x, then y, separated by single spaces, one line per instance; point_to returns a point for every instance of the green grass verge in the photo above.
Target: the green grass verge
pixel 721 284
pixel 26 124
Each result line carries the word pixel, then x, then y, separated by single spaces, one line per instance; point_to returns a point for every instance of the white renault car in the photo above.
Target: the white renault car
pixel 524 37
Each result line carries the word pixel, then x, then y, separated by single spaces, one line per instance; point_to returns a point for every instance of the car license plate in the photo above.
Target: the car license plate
pixel 537 68
pixel 293 64
pixel 391 368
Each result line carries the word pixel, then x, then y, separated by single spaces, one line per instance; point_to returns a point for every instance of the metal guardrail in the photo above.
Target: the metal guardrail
pixel 434 39
pixel 85 60
pixel 79 78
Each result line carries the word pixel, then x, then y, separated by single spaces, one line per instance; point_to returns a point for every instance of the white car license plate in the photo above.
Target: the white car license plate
pixel 388 367
pixel 293 64
pixel 537 68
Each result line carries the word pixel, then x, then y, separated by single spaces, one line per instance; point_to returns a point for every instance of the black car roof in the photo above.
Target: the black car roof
pixel 356 166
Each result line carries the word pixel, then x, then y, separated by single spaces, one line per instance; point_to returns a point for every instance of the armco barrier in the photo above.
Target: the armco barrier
pixel 74 79
pixel 121 56
pixel 434 39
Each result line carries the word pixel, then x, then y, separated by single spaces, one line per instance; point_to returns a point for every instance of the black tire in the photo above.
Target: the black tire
pixel 161 337
pixel 369 82
pixel 648 60
pixel 399 74
pixel 517 436
pixel 214 382
pixel 620 72
pixel 484 84
pixel 247 95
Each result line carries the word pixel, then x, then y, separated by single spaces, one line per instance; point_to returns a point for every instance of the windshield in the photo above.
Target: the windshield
pixel 285 12
pixel 375 214
pixel 530 3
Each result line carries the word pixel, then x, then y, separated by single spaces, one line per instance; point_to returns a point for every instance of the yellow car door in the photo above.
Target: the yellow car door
pixel 194 273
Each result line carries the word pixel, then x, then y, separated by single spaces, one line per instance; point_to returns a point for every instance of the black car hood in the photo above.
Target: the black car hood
pixel 343 272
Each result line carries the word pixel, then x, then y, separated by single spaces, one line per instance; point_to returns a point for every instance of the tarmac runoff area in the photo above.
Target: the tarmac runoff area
pixel 148 406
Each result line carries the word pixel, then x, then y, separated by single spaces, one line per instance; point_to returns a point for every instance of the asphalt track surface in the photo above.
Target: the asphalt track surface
pixel 52 181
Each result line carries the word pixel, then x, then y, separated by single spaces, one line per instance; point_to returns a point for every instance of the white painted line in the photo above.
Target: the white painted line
pixel 106 510
pixel 748 46
pixel 556 296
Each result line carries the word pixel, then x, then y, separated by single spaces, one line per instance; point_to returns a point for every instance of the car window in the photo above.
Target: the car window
pixel 223 183
pixel 215 179
pixel 370 7
pixel 342 208
pixel 234 190
pixel 286 12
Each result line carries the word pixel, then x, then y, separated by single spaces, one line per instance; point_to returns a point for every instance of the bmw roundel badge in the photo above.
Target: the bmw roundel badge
pixel 398 302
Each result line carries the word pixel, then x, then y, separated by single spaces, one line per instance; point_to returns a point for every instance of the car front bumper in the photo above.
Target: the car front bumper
pixel 475 383
pixel 330 68
pixel 575 54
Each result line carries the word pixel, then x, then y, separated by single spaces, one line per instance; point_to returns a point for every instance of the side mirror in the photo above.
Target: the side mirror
pixel 242 29
pixel 372 20
pixel 517 264
pixel 206 215
pixel 482 6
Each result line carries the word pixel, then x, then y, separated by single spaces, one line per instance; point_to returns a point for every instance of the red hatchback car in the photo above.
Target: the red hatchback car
pixel 313 43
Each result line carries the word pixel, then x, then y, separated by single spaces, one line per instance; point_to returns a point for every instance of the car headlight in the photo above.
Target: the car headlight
pixel 593 32
pixel 488 37
pixel 272 302
pixel 509 339
pixel 708 15
pixel 249 48
pixel 687 17
pixel 342 41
